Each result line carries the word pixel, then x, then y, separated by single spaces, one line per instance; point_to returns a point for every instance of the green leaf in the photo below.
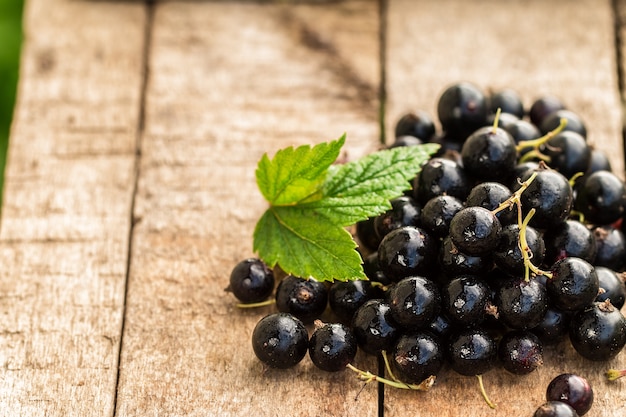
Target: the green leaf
pixel 294 175
pixel 363 188
pixel 312 201
pixel 307 245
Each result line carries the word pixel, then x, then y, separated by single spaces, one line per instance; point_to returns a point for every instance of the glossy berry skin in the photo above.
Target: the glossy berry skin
pixel 374 328
pixel 416 356
pixel 418 124
pixel 280 340
pixel 508 255
pixel 366 234
pixel 574 284
pixel 332 346
pixel 437 213
pixel 611 247
pixel 572 389
pixel 405 141
pixel 522 130
pixel 520 352
pixel 304 298
pixel 601 197
pixel 612 286
pixel 521 304
pixel 544 106
pixel 508 101
pixel 462 108
pixel 453 262
pixel 553 327
pixel 471 351
pixel 404 212
pixel 551 195
pixel 490 195
pixel 475 230
pixel 414 302
pixel 569 153
pixel 251 281
pixel 489 154
pixel 345 298
pixel 569 238
pixel 598 332
pixel 441 176
pixel 555 409
pixel 405 252
pixel 465 299
pixel 599 161
pixel 372 270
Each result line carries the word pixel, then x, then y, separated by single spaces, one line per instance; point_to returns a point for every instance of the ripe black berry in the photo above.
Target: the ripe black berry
pixel 251 281
pixel 574 284
pixel 555 409
pixel 405 252
pixel 612 286
pixel 462 108
pixel 280 340
pixel 598 332
pixel 304 298
pixel 465 299
pixel 416 356
pixel 601 197
pixel 345 298
pixel 572 389
pixel 332 346
pixel 471 351
pixel 521 304
pixel 475 230
pixel 520 352
pixel 551 195
pixel 489 154
pixel 418 124
pixel 441 176
pixel 374 328
pixel 404 211
pixel 414 302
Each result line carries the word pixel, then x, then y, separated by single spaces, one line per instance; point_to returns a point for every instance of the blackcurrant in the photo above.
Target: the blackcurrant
pixel 601 197
pixel 521 304
pixel 441 176
pixel 418 124
pixel 489 154
pixel 475 230
pixel 304 298
pixel 598 332
pixel 520 352
pixel 405 252
pixel 345 298
pixel 437 213
pixel 280 340
pixel 414 302
pixel 332 346
pixel 465 299
pixel 574 284
pixel 251 281
pixel 472 351
pixel 572 389
pixel 555 409
pixel 462 108
pixel 417 356
pixel 612 285
pixel 374 328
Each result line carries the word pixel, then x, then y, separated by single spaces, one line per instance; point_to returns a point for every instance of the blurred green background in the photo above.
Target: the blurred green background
pixel 11 40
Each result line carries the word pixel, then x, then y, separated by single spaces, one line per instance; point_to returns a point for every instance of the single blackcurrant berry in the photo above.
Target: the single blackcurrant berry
pixel 475 230
pixel 572 389
pixel 574 284
pixel 251 281
pixel 280 340
pixel 555 409
pixel 304 298
pixel 332 346
pixel 407 251
pixel 598 332
pixel 520 352
pixel 414 302
pixel 374 328
pixel 417 356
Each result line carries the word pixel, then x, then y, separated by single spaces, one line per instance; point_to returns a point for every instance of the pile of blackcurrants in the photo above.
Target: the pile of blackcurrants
pixel 512 237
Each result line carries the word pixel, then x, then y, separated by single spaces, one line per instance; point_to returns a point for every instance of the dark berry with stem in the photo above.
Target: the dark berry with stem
pixel 251 281
pixel 611 247
pixel 280 340
pixel 345 298
pixel 598 332
pixel 304 298
pixel 553 327
pixel 573 285
pixel 453 262
pixel 475 230
pixel 374 328
pixel 572 389
pixel 462 108
pixel 489 154
pixel 555 409
pixel 490 195
pixel 544 106
pixel 508 101
pixel 612 286
pixel 551 195
pixel 417 356
pixel 508 253
pixel 437 213
pixel 418 124
pixel 407 251
pixel 332 346
pixel 465 299
pixel 520 352
pixel 569 153
pixel 404 211
pixel 569 238
pixel 601 198
pixel 574 122
pixel 441 176
pixel 521 304
pixel 414 302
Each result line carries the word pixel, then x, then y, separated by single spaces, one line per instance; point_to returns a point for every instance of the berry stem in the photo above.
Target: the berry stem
pixel 370 377
pixel 484 393
pixel 388 366
pixel 255 305
pixel 526 252
pixel 536 143
pixel 496 119
pixel 614 374
pixel 515 197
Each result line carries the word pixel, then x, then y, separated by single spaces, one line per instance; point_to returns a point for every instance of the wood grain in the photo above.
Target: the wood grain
pixel 562 48
pixel 66 212
pixel 227 83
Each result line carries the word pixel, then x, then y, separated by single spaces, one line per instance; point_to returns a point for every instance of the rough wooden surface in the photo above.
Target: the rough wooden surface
pixel 66 216
pixel 99 274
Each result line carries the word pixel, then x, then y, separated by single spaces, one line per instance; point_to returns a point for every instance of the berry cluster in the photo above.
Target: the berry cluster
pixel 511 238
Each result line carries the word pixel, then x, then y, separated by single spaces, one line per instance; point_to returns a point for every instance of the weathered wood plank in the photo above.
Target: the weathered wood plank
pixel 66 212
pixel 562 48
pixel 228 82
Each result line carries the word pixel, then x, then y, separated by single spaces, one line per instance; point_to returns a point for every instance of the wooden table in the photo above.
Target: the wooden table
pixel 130 190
